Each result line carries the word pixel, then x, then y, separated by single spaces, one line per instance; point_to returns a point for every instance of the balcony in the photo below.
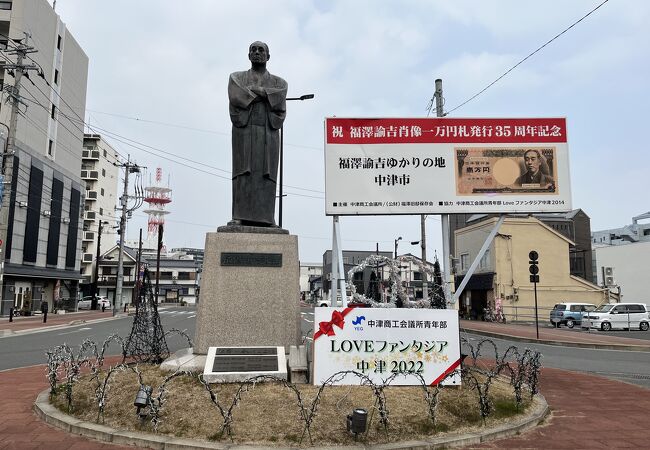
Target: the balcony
pixel 87 258
pixel 89 236
pixel 90 175
pixel 91 195
pixel 90 216
pixel 92 155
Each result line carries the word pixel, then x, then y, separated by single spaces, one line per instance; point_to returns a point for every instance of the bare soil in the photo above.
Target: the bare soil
pixel 269 415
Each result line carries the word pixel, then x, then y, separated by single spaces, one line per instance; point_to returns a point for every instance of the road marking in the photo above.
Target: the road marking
pixel 307 313
pixel 193 315
pixel 75 331
pixel 308 338
pixel 307 320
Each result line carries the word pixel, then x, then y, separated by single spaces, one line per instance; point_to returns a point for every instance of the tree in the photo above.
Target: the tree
pixel 373 287
pixel 437 294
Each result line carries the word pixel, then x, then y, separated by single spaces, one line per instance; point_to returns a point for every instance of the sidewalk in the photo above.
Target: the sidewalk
pixel 555 336
pixel 611 418
pixel 31 323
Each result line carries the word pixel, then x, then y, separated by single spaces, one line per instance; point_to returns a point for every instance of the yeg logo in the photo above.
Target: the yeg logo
pixel 357 323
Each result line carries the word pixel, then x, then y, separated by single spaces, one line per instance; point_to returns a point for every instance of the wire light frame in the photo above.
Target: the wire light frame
pixel 147 342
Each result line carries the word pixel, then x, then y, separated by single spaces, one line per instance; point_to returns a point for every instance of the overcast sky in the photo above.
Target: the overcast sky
pixel 168 62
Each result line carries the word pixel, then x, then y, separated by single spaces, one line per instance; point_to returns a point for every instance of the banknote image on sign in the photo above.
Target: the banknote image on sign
pixel 511 170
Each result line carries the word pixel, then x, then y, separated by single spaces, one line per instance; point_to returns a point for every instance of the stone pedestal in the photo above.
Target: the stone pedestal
pixel 246 298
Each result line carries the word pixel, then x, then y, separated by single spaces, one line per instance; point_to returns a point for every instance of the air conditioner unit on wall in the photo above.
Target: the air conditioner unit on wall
pixel 609 271
pixel 609 281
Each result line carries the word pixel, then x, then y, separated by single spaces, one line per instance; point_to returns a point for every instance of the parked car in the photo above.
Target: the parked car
pixel 618 316
pixel 86 302
pixel 327 300
pixel 569 314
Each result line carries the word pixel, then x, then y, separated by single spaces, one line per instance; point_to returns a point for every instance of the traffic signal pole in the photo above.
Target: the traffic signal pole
pixel 534 278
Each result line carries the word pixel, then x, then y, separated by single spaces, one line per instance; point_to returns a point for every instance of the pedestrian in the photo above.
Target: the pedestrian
pixel 103 307
pixel 44 309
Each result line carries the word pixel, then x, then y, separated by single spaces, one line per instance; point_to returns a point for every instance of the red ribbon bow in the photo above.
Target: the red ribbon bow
pixel 338 319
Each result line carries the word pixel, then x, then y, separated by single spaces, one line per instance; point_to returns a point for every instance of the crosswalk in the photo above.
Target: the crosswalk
pixel 306 316
pixel 169 312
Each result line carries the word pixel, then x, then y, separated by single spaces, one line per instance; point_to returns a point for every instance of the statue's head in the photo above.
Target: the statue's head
pixel 258 53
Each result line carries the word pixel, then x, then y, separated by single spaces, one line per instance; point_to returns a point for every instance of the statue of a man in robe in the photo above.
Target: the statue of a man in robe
pixel 257 111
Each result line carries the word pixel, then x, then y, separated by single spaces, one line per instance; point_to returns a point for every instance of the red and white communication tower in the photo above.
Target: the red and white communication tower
pixel 157 197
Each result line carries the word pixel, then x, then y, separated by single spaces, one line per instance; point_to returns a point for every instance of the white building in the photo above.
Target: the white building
pixel 625 269
pixel 178 281
pixel 635 232
pixel 308 270
pixel 101 175
pixel 42 206
pixel 621 259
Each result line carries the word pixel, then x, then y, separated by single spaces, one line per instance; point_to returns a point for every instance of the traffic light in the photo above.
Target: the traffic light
pixel 534 268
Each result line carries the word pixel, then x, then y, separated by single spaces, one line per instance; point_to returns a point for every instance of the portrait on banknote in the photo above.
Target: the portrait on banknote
pixel 505 170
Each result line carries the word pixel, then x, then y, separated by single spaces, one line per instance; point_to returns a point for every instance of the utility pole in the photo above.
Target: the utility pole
pixel 423 245
pixel 446 257
pixel 93 290
pixel 129 168
pixel 136 289
pixel 21 49
pixel 160 244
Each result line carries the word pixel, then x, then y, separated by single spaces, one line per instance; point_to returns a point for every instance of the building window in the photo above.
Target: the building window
pixel 53 113
pixel 5 6
pixel 101 211
pixel 105 154
pixel 103 172
pixel 464 261
pixel 56 76
pixel 58 42
pixel 485 260
pixel 102 191
pixel 50 148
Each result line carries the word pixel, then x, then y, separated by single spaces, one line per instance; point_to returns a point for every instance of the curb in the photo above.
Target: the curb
pixel 621 347
pixel 49 414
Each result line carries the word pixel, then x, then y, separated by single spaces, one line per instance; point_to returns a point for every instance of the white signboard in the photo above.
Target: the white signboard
pixel 443 165
pixel 380 342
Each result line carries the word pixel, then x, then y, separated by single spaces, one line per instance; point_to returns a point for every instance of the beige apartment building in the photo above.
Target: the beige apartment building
pixel 503 272
pixel 101 175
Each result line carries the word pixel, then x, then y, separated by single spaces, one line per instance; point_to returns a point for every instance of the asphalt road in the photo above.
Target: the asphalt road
pixel 26 350
pixel 29 349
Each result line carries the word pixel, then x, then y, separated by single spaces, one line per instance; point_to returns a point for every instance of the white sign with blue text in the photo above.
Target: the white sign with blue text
pixel 384 342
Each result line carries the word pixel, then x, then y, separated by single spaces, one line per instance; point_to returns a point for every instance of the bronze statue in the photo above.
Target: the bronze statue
pixel 257 111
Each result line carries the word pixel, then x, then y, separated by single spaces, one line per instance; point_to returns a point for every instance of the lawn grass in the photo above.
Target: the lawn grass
pixel 269 415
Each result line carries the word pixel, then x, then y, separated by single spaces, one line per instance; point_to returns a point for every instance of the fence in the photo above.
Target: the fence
pixel 514 313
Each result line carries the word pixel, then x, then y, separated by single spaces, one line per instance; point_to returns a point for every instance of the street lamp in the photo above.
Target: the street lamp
pixel 302 97
pixel 396 241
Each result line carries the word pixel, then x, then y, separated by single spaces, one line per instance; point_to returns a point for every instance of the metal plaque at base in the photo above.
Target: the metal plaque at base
pixel 235 364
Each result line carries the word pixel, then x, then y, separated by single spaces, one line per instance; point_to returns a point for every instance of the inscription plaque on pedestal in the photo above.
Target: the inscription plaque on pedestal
pixel 251 259
pixel 230 364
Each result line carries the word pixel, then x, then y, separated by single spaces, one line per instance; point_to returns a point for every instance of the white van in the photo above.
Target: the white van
pixel 618 316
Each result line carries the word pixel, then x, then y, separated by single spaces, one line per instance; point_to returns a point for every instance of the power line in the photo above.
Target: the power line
pixel 185 127
pixel 132 143
pixel 526 58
